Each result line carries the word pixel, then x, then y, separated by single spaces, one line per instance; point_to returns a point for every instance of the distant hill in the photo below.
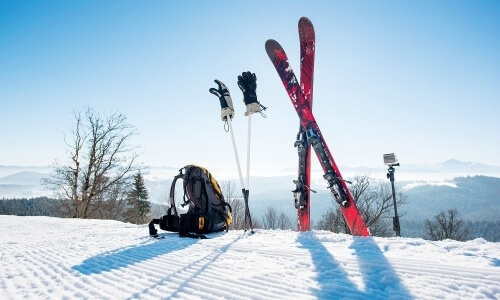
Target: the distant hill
pixel 23 182
pixel 476 198
pixel 23 178
pixel 10 170
pixel 411 172
pixel 457 166
pixel 432 188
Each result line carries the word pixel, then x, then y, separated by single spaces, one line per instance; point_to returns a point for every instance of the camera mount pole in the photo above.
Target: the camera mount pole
pixel 395 219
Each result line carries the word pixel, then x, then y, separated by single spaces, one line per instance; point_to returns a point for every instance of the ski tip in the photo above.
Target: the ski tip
pixel 303 20
pixel 272 47
pixel 306 29
pixel 270 43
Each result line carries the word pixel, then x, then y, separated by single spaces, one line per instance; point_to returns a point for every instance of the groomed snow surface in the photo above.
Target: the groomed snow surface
pixel 52 258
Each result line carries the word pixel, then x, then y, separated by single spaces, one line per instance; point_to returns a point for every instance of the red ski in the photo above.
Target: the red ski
pixel 336 184
pixel 302 192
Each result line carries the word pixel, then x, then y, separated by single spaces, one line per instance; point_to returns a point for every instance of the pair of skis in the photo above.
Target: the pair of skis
pixel 310 135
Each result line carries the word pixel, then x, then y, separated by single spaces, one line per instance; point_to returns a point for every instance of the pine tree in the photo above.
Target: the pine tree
pixel 138 205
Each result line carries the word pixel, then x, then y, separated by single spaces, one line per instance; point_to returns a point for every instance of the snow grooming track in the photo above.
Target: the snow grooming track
pixel 51 258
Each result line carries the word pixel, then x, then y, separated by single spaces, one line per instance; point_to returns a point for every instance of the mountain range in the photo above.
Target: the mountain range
pixel 430 188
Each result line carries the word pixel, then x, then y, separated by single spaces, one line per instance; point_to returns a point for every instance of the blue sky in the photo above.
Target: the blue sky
pixel 417 78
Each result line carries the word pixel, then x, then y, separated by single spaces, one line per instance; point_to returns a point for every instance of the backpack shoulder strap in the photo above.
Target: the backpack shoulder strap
pixel 171 197
pixel 170 221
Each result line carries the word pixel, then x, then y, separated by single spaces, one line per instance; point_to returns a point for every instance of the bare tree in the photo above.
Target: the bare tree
pixel 110 205
pixel 273 220
pixel 101 162
pixel 235 199
pixel 270 219
pixel 284 222
pixel 333 221
pixel 375 204
pixel 447 226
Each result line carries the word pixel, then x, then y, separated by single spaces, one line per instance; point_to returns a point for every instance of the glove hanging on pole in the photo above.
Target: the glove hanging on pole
pixel 247 82
pixel 226 103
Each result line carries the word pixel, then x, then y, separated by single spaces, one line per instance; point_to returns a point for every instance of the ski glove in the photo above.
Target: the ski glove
pixel 226 103
pixel 247 82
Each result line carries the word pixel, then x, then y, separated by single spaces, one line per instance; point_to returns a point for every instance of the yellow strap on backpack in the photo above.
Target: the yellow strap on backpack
pixel 201 223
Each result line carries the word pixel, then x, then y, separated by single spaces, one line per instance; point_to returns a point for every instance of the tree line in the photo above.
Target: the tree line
pixel 488 230
pixel 37 206
pixel 133 207
pixel 445 225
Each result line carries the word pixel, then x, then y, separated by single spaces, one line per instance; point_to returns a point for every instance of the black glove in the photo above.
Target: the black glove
pixel 247 82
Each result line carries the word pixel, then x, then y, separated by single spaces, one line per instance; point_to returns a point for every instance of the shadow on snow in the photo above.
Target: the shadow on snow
pixel 379 278
pixel 126 256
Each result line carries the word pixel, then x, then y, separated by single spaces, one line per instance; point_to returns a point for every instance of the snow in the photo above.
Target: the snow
pixel 52 258
pixel 431 183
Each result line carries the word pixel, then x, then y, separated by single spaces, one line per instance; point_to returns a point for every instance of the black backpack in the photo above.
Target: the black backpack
pixel 207 210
